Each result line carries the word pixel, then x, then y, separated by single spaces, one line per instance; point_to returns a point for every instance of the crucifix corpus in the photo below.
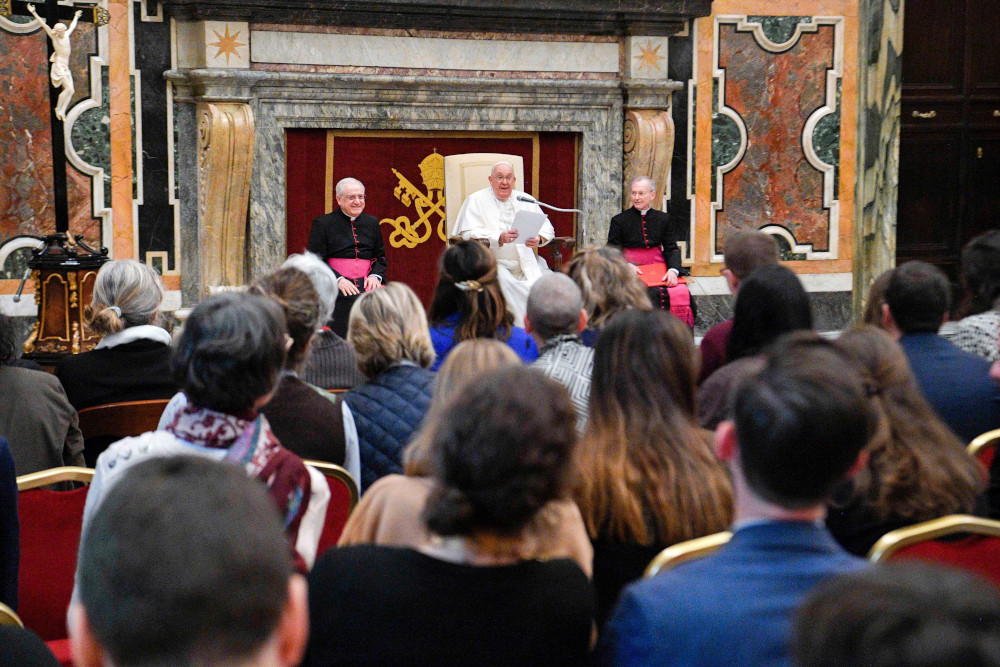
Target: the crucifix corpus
pixel 63 271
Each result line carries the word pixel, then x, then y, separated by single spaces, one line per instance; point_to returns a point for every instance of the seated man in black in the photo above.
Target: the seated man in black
pixel 351 243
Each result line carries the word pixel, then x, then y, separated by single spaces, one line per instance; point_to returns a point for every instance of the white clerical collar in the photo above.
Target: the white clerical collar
pixel 141 332
pixel 644 211
pixel 348 216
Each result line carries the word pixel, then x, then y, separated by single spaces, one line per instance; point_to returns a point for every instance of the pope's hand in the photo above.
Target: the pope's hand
pixel 532 242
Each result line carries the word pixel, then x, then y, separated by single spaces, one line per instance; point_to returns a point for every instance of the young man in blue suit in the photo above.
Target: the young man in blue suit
pixel 796 429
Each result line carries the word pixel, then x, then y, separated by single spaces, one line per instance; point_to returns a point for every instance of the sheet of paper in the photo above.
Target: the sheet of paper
pixel 527 224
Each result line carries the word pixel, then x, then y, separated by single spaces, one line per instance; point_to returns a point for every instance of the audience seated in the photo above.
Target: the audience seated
pixel 305 419
pixel 609 286
pixel 132 360
pixel 771 301
pixel 744 251
pixel 388 330
pixel 955 382
pixel 468 304
pixel 36 418
pixel 389 512
pixel 330 362
pixel 555 318
pixel 227 363
pixel 900 615
pixel 977 332
pixel 469 598
pixel 645 475
pixel 917 468
pixel 184 564
pixel 10 546
pixel 797 429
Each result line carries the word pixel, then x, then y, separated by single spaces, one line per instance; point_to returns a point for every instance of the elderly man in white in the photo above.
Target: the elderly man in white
pixel 488 214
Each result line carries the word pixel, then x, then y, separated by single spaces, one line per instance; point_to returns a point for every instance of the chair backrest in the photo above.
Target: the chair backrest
pixel 984 447
pixel 9 617
pixel 343 498
pixel 467 172
pixel 959 540
pixel 121 420
pixel 51 522
pixel 678 553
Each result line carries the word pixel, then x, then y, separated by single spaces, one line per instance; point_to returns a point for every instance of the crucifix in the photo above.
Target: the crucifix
pixel 64 271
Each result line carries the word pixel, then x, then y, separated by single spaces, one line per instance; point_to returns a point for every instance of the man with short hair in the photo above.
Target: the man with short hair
pixel 555 318
pixel 797 429
pixel 487 214
pixel 744 252
pixel 350 241
pixel 186 563
pixel 956 383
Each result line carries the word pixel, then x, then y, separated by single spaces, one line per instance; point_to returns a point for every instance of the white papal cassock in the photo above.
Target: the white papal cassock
pixel 483 216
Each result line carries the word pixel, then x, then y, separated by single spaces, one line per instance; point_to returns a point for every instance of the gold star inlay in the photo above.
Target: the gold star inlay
pixel 648 57
pixel 227 44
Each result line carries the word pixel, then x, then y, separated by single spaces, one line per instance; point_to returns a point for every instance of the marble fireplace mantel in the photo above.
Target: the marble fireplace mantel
pixel 580 17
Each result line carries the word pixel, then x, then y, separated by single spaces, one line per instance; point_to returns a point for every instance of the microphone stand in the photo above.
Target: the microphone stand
pixel 532 200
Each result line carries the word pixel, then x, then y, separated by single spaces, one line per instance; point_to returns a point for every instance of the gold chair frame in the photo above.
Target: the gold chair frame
pixel 9 617
pixel 54 475
pixel 895 540
pixel 681 552
pixel 982 441
pixel 337 472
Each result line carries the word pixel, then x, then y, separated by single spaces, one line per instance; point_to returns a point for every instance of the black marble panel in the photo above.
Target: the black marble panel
pixel 581 17
pixel 679 68
pixel 156 215
pixel 831 310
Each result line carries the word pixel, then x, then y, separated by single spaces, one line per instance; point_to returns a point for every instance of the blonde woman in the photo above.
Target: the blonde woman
pixel 609 287
pixel 132 360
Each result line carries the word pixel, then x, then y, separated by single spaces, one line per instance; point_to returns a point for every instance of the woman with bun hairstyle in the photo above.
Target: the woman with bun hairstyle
pixel 468 304
pixel 468 597
pixel 132 360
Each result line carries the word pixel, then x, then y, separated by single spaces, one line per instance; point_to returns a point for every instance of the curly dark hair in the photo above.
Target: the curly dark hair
pixel 981 273
pixel 501 453
pixel 230 352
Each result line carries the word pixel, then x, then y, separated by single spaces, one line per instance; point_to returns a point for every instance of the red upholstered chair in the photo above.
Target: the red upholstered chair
pixel 343 498
pixel 678 553
pixel 958 540
pixel 51 522
pixel 984 447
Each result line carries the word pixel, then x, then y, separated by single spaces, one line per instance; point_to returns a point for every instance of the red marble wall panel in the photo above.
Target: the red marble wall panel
pixel 26 189
pixel 774 94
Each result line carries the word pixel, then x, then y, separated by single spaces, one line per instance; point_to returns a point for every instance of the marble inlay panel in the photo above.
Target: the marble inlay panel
pixel 771 92
pixel 426 53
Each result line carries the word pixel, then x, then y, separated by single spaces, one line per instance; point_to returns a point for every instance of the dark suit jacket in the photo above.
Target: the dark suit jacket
pixel 627 231
pixel 136 371
pixel 733 607
pixel 10 546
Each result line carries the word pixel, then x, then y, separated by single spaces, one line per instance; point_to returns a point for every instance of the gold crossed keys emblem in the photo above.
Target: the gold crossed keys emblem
pixel 411 234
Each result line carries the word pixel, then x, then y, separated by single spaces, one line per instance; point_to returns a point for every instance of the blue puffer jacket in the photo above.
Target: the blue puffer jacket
pixel 387 410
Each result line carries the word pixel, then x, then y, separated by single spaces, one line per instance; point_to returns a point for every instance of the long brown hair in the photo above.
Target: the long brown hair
pixel 645 472
pixel 917 468
pixel 468 285
pixel 608 283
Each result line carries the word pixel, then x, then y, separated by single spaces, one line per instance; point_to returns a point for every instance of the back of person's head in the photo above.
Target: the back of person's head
pixel 918 468
pixel 468 287
pixel 608 284
pixel 554 306
pixel 388 325
pixel 501 453
pixel 323 280
pixel 294 292
pixel 981 272
pixel 918 296
pixel 185 562
pixel 745 251
pixel 127 293
pixel 801 422
pixel 771 302
pixel 230 352
pixel 463 366
pixel 642 426
pixel 872 313
pixel 904 614
pixel 8 340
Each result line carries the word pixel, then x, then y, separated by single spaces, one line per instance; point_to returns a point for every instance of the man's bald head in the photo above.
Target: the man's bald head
pixel 554 306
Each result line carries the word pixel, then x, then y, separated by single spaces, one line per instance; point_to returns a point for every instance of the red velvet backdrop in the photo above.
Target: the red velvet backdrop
pixel 371 159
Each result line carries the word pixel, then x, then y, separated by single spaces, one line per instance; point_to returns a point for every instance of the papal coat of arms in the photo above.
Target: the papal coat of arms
pixel 427 204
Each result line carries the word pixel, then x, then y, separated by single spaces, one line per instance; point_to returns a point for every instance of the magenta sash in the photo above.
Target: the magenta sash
pixel 680 303
pixel 353 269
pixel 640 256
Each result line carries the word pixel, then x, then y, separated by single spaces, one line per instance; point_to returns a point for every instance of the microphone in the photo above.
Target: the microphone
pixel 532 200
